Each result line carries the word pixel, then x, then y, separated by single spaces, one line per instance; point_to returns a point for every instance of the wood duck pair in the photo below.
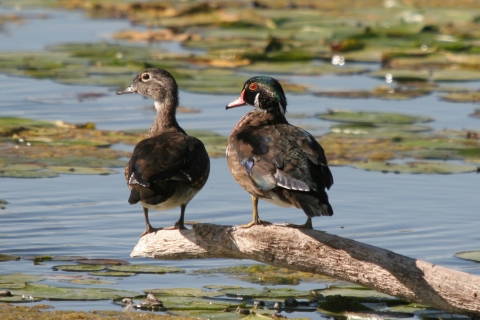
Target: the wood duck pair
pixel 268 157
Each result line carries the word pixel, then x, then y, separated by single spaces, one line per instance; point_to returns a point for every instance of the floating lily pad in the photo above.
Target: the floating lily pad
pixel 380 130
pixel 67 258
pixel 401 75
pixel 72 293
pixel 80 170
pixel 462 97
pixel 112 274
pixel 340 304
pixel 371 117
pixel 79 267
pixel 103 261
pixel 248 293
pixel 266 275
pixel 361 294
pixel 7 124
pixel 8 257
pixel 145 268
pixel 469 255
pixel 417 167
pixel 37 258
pixel 456 75
pixel 18 278
pixel 184 292
pixel 91 281
pixel 25 171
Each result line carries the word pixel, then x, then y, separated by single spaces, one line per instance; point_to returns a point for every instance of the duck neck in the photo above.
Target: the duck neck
pixel 258 118
pixel 165 121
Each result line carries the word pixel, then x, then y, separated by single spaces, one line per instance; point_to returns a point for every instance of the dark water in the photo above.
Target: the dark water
pixel 429 217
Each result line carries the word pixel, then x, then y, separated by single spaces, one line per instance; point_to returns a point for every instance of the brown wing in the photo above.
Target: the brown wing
pixel 172 156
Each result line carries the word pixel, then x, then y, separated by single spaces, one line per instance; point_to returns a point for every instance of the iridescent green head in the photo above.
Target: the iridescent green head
pixel 264 93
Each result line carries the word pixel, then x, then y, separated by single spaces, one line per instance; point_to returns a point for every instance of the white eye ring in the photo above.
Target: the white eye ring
pixel 145 77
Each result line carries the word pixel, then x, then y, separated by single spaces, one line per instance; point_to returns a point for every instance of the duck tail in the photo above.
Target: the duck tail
pixel 313 204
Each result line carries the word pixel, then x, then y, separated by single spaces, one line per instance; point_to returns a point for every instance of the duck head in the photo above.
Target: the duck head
pixel 157 84
pixel 264 93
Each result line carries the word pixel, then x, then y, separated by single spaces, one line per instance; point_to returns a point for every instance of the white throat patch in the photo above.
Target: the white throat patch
pixel 158 106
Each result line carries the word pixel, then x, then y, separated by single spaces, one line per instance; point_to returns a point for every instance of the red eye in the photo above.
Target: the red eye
pixel 253 86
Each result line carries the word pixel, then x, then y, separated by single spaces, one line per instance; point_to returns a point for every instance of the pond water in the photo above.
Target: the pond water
pixel 429 217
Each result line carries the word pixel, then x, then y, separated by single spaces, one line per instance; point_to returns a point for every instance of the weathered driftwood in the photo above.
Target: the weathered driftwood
pixel 322 253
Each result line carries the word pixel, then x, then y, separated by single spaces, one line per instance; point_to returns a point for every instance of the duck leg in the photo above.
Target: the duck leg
pixel 256 219
pixel 180 224
pixel 306 225
pixel 149 228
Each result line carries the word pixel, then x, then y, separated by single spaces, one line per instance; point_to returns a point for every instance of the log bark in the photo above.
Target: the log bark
pixel 322 253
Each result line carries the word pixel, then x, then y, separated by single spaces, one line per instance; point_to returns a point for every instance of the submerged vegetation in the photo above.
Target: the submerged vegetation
pixel 332 297
pixel 365 140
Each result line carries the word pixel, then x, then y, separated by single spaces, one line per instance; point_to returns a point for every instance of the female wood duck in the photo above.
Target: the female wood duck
pixel 169 167
pixel 274 160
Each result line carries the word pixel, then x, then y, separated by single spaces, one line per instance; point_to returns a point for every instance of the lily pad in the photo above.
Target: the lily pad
pixel 340 304
pixel 361 294
pixel 417 167
pixel 79 267
pixel 248 293
pixel 67 258
pixel 145 268
pixel 7 124
pixel 371 117
pixel 401 75
pixel 91 281
pixel 184 292
pixel 112 274
pixel 80 170
pixel 469 255
pixel 462 97
pixel 103 261
pixel 18 278
pixel 266 275
pixel 72 293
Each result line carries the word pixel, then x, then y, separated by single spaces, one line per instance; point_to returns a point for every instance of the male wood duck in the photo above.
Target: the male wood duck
pixel 168 168
pixel 273 160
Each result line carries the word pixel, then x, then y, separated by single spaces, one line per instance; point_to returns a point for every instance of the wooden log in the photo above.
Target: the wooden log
pixel 322 253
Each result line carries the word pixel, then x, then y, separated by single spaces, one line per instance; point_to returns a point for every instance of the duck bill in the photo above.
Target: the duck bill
pixel 130 89
pixel 237 103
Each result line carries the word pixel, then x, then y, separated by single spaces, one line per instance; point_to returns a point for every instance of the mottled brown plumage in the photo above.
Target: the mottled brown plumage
pixel 168 168
pixel 273 160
